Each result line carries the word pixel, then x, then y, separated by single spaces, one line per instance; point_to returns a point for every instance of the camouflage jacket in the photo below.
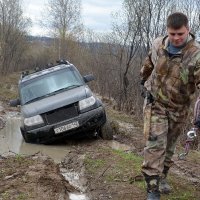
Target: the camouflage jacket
pixel 172 80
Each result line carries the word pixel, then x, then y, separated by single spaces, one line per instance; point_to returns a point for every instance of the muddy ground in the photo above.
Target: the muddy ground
pixel 86 169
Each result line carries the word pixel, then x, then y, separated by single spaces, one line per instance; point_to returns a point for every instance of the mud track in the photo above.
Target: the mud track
pixel 85 169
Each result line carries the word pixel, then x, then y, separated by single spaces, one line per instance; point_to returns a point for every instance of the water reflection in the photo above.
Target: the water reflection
pixel 11 141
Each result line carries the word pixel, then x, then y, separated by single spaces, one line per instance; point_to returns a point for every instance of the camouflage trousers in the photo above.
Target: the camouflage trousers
pixel 161 131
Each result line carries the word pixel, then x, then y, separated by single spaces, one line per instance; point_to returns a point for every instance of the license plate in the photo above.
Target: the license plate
pixel 66 127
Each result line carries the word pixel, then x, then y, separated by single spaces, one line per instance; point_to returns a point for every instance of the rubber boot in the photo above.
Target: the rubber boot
pixel 153 192
pixel 164 186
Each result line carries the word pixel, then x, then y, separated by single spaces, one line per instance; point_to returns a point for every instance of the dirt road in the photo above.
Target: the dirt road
pixel 86 169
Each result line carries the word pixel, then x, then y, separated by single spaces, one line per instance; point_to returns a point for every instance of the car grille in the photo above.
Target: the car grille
pixel 61 114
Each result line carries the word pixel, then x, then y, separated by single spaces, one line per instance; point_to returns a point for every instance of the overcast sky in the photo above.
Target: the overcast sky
pixel 96 14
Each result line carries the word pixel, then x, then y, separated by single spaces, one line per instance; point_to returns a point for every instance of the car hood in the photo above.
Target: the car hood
pixel 55 101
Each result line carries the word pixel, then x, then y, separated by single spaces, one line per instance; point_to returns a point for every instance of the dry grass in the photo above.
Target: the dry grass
pixel 8 86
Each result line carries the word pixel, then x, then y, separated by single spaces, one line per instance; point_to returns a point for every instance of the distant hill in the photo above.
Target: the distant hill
pixel 42 39
pixel 48 40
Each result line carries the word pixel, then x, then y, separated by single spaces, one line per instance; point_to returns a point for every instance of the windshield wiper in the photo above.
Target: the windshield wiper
pixel 63 89
pixel 37 98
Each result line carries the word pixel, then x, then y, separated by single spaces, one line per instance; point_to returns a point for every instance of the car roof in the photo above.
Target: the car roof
pixel 44 71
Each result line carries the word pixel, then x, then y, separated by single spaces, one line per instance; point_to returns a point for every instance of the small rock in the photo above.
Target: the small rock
pixel 11 176
pixel 8 177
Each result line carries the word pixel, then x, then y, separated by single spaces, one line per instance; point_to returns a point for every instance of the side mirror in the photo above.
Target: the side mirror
pixel 14 102
pixel 88 78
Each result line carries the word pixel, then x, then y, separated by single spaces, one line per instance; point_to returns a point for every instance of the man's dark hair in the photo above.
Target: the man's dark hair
pixel 177 20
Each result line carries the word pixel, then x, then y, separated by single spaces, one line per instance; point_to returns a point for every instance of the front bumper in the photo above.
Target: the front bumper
pixel 88 121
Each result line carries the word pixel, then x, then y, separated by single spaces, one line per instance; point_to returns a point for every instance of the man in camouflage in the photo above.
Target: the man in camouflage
pixel 170 74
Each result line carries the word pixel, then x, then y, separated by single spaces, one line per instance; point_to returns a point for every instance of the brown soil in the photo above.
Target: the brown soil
pixel 104 173
pixel 35 177
pixel 107 177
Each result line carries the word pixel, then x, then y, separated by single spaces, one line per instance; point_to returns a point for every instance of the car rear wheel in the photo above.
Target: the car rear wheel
pixel 106 131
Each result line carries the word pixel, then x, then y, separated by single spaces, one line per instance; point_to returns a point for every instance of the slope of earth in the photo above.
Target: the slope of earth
pixel 103 169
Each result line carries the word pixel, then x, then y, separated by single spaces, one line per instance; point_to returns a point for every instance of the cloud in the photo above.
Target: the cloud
pixel 103 3
pixel 96 13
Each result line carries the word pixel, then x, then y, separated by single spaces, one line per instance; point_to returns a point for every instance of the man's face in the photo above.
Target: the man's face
pixel 178 37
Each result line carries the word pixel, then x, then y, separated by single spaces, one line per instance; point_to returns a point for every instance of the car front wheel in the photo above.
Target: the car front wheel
pixel 106 131
pixel 24 135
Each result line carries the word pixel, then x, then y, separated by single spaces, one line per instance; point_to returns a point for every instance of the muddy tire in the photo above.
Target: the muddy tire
pixel 24 135
pixel 106 131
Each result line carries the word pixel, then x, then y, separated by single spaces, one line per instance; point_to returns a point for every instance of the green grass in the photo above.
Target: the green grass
pixel 129 158
pixel 19 158
pixel 22 196
pixel 123 166
pixel 120 164
pixel 92 165
pixel 182 190
pixel 5 196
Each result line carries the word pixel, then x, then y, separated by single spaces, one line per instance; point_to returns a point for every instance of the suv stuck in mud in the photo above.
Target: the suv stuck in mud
pixel 56 102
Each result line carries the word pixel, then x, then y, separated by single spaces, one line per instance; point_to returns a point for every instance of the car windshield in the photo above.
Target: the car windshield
pixel 49 84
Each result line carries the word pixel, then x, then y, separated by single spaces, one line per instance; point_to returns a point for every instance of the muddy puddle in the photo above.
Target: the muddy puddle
pixel 11 143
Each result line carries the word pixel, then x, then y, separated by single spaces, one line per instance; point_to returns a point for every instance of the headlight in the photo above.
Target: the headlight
pixel 85 103
pixel 31 121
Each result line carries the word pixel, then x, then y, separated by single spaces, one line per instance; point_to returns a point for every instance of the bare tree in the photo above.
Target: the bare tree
pixel 192 9
pixel 12 34
pixel 117 57
pixel 63 17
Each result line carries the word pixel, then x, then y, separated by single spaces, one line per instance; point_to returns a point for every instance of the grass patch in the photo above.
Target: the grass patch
pixel 19 162
pixel 115 165
pixel 8 86
pixel 6 196
pixel 129 158
pixel 92 165
pixel 7 94
pixel 123 166
pixel 116 115
pixel 123 117
pixel 20 159
pixel 11 78
pixel 182 190
pixel 194 155
pixel 127 165
pixel 119 167
pixel 22 196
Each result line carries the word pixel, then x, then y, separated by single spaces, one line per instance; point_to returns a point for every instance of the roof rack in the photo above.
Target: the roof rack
pixel 25 73
pixel 36 69
pixel 49 65
pixel 62 61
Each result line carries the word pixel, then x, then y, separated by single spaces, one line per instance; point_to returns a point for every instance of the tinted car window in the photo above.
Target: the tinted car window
pixel 49 84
